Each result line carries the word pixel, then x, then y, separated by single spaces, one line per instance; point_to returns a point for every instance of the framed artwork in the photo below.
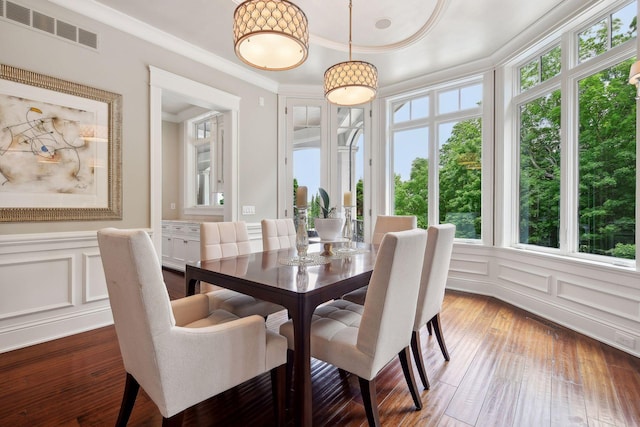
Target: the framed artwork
pixel 60 149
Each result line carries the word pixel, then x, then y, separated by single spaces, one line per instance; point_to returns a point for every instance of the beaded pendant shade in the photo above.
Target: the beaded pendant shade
pixel 270 34
pixel 350 82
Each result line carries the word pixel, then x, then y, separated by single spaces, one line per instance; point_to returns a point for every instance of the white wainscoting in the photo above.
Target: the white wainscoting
pixel 52 285
pixel 599 301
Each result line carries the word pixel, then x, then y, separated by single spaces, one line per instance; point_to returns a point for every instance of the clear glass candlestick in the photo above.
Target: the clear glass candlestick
pixel 347 230
pixel 302 236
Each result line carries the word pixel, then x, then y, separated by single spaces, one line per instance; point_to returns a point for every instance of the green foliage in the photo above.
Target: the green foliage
pixel 461 179
pixel 607 123
pixel 326 205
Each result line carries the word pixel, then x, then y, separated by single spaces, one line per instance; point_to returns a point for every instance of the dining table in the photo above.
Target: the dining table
pixel 300 286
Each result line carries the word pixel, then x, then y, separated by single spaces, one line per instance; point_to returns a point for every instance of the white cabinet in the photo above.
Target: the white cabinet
pixel 180 243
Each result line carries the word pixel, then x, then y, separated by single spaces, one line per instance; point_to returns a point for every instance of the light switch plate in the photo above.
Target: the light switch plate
pixel 248 210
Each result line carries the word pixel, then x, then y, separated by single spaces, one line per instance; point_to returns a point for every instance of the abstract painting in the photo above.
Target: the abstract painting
pixel 60 148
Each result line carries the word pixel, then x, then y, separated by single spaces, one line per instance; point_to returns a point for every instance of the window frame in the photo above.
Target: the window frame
pixel 190 168
pixel 567 81
pixel 432 122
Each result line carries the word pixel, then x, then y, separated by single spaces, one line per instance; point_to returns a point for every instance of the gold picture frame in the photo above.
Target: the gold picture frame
pixel 60 149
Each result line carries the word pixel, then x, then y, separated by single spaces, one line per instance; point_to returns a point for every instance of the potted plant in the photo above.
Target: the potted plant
pixel 329 225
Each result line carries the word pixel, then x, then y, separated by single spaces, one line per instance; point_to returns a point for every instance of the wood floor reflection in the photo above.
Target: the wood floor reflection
pixel 507 368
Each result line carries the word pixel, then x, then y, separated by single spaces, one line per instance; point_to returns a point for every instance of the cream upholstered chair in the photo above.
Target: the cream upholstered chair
pixel 363 339
pixel 225 239
pixel 384 224
pixel 435 267
pixel 180 351
pixel 278 234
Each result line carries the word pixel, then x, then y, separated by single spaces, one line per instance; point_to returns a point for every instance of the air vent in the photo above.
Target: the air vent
pixel 44 22
pixel 87 38
pixel 50 25
pixel 18 13
pixel 67 31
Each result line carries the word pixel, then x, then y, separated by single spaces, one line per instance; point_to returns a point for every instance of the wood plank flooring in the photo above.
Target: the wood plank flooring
pixel 507 368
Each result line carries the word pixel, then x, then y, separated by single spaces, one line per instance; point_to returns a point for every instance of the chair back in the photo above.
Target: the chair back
pixel 278 234
pixel 139 303
pixel 223 239
pixel 386 223
pixel 389 309
pixel 437 257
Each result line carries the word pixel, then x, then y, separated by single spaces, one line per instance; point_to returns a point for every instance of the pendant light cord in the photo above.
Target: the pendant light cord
pixel 350 30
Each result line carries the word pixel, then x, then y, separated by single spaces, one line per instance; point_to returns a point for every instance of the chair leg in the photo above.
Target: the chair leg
pixel 405 360
pixel 131 388
pixel 174 421
pixel 288 378
pixel 429 329
pixel 416 348
pixel 437 327
pixel 279 389
pixel 368 391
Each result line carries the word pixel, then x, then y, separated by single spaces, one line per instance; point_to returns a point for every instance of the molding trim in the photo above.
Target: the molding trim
pixel 148 33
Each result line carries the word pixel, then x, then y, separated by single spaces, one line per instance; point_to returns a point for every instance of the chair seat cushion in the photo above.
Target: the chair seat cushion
pixel 336 323
pixel 358 296
pixel 215 318
pixel 240 304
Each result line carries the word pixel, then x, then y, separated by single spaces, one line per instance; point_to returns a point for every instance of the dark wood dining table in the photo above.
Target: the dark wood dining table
pixel 300 289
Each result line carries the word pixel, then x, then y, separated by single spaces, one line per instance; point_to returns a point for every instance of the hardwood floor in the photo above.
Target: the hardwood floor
pixel 507 368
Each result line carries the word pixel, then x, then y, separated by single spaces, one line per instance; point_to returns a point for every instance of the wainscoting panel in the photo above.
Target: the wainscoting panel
pixel 525 277
pixel 51 285
pixel 94 284
pixel 602 296
pixel 35 284
pixel 465 264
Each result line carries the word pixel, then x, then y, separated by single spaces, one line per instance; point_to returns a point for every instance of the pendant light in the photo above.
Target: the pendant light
pixel 351 82
pixel 270 34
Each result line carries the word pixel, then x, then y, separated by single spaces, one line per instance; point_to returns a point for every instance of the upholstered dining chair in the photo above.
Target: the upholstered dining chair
pixel 364 339
pixel 181 352
pixel 384 224
pixel 225 239
pixel 433 280
pixel 278 234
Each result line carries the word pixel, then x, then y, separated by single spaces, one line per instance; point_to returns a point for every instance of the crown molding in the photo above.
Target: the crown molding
pixel 148 33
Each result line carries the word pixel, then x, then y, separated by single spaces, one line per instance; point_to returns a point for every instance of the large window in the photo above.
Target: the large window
pixel 436 157
pixel 539 222
pixel 606 166
pixel 576 187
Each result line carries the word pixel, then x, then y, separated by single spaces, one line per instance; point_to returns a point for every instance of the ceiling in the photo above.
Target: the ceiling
pixel 418 37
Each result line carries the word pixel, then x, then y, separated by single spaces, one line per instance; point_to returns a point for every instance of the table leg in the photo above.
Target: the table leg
pixel 191 286
pixel 302 365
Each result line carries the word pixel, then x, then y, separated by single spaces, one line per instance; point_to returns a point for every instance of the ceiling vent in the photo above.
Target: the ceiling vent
pixel 23 15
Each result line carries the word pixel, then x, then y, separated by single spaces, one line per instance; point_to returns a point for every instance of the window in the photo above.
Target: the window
pixel 607 33
pixel 606 167
pixel 439 182
pixel 539 201
pixel 540 69
pixel 350 133
pixel 204 153
pixel 581 180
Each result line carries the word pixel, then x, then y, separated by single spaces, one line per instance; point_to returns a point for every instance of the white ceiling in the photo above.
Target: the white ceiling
pixel 425 36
